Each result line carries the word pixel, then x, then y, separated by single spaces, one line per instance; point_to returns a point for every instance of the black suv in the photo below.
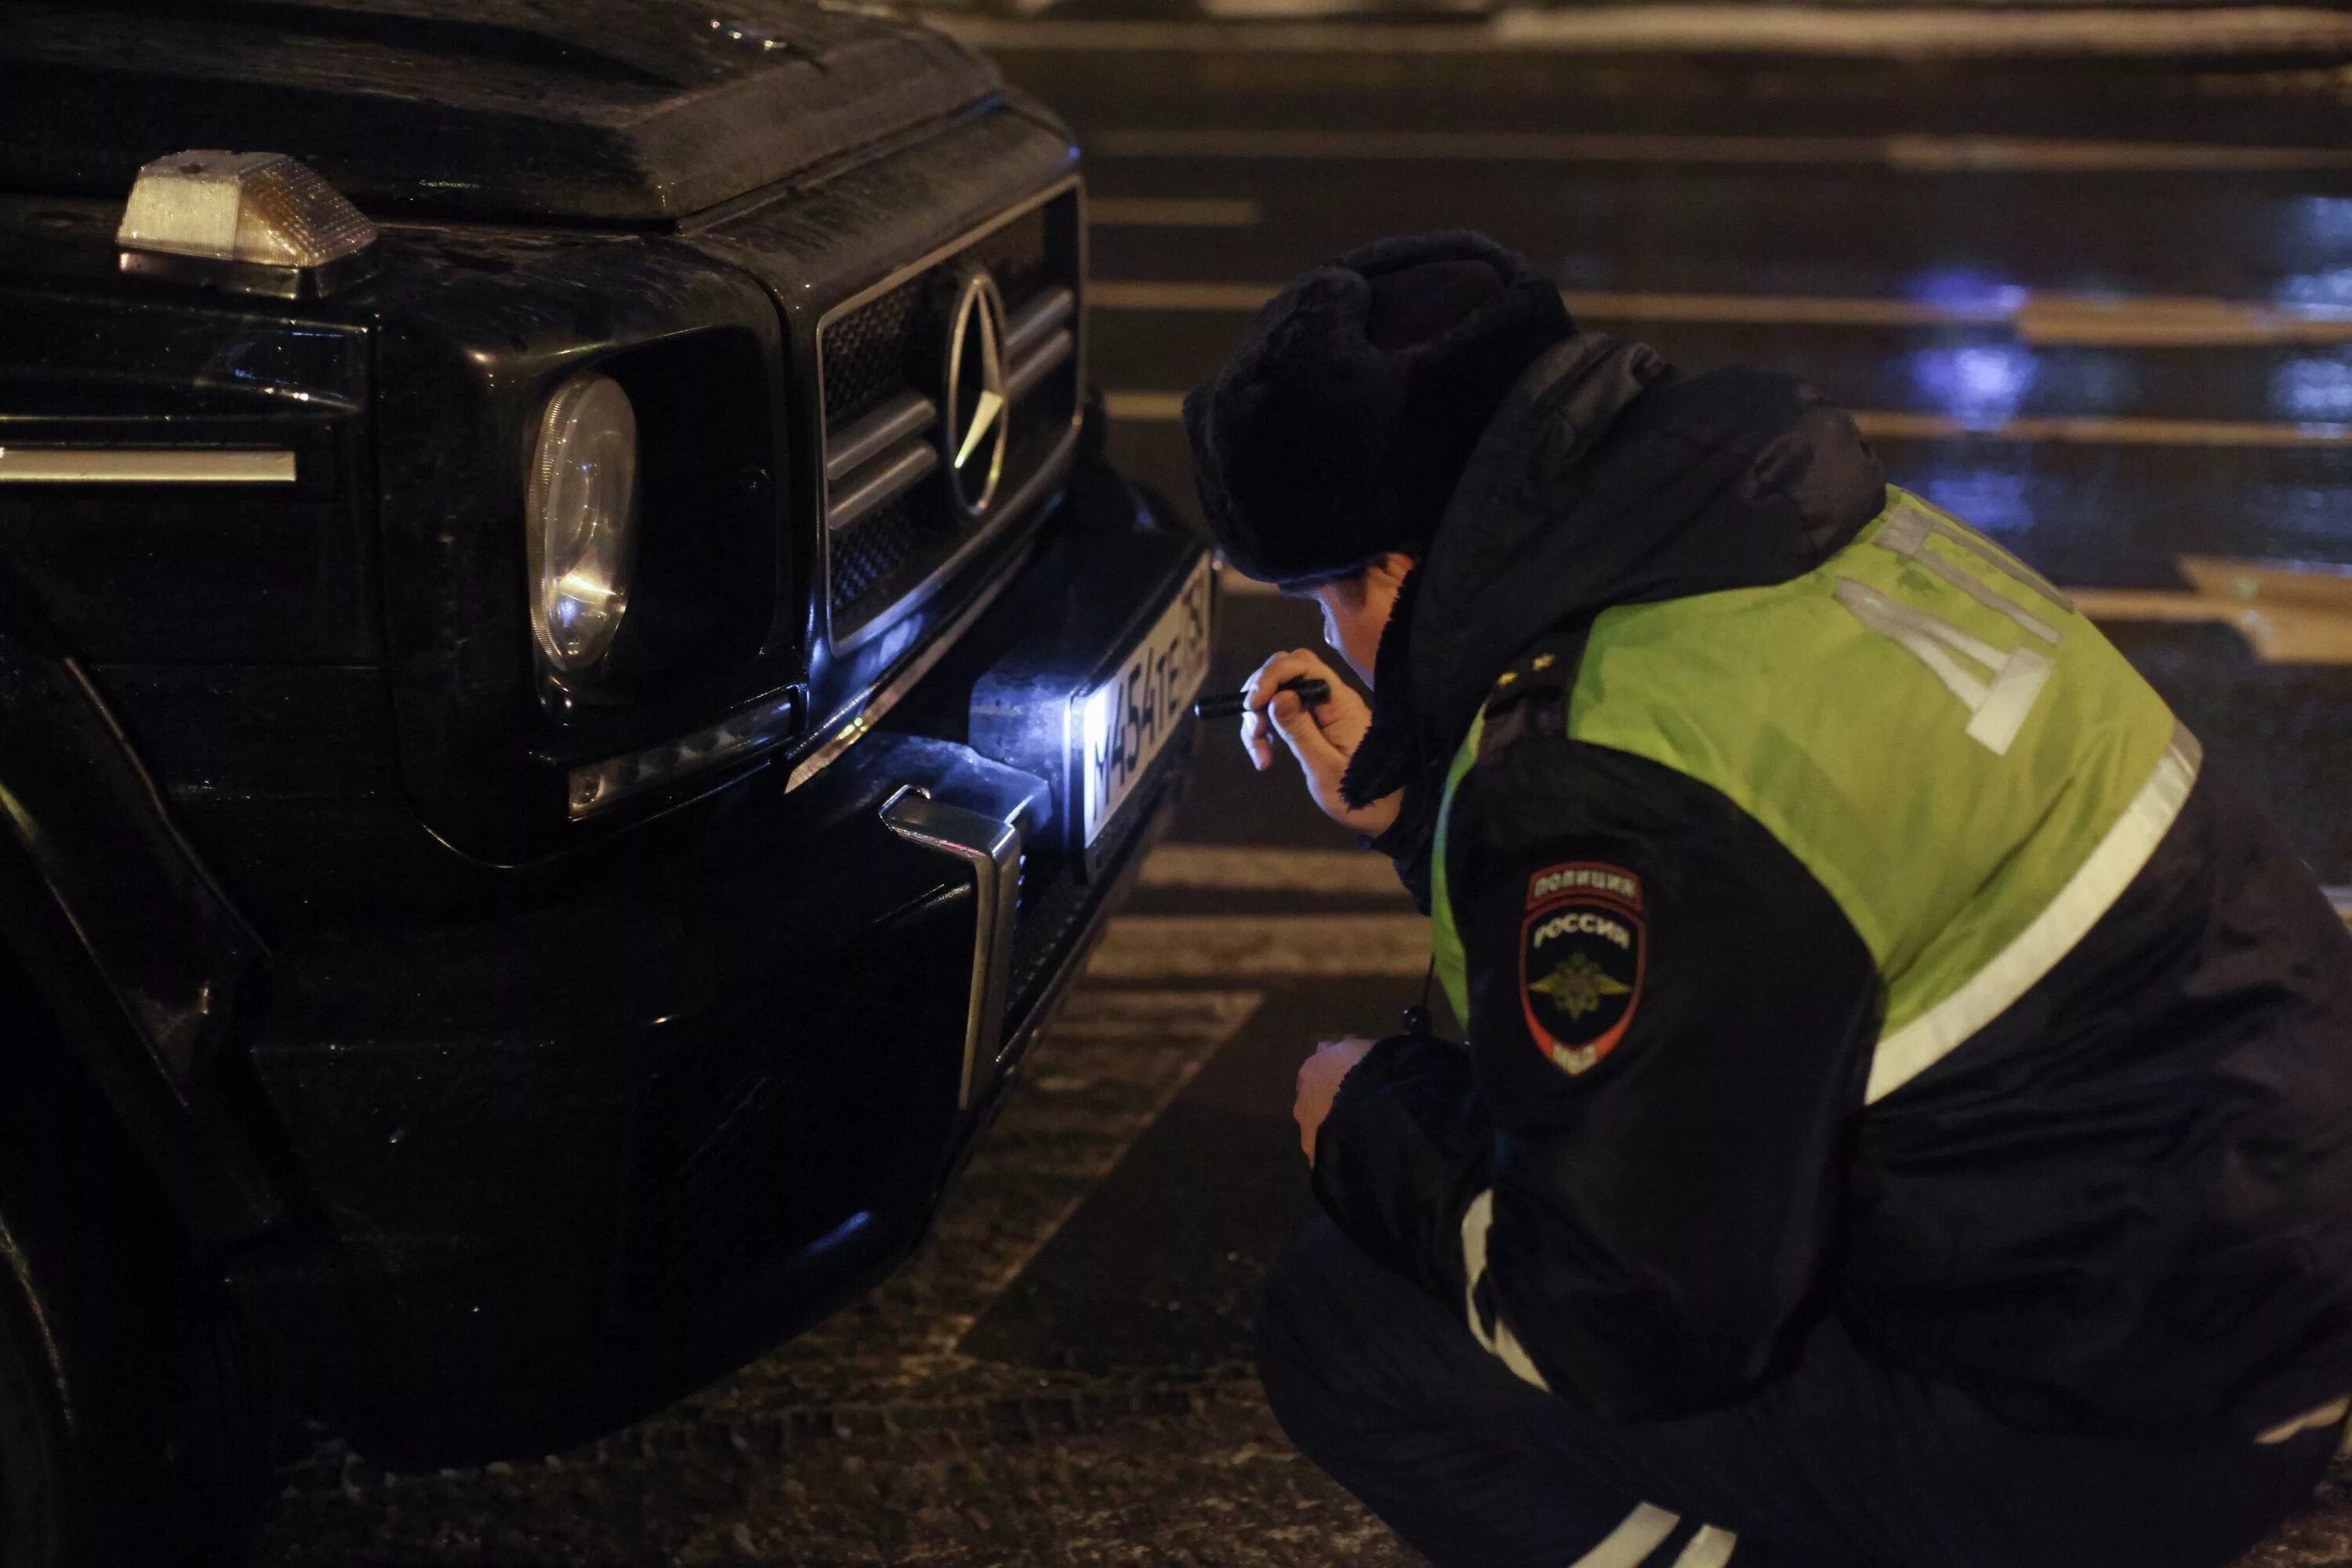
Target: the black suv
pixel 572 688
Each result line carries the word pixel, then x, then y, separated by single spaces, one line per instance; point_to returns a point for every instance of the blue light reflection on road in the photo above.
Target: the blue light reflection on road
pixel 1979 384
pixel 2314 388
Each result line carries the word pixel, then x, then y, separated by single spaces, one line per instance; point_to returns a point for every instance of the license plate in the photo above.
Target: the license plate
pixel 1128 718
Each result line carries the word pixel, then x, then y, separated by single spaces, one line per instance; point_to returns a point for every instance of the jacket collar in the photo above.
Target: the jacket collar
pixel 1569 395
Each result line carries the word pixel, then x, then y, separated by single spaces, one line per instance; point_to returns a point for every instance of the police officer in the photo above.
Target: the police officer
pixel 1906 1115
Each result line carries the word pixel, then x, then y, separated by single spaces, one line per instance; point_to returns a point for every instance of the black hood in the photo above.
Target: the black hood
pixel 596 110
pixel 1605 478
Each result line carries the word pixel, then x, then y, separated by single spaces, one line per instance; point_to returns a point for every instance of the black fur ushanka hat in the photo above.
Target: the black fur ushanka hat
pixel 1339 427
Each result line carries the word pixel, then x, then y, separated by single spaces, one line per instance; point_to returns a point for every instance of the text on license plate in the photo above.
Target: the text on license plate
pixel 1127 720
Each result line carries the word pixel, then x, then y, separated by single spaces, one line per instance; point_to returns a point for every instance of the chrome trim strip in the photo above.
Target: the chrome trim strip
pixel 1048 474
pixel 909 414
pixel 969 238
pixel 145 466
pixel 894 476
pixel 1005 509
pixel 992 850
pixel 1024 376
pixel 1034 321
pixel 887 697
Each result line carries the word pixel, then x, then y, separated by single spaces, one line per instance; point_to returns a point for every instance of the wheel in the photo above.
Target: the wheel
pixel 33 1433
pixel 133 1430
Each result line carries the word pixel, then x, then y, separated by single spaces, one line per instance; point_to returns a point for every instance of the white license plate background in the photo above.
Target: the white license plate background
pixel 1127 721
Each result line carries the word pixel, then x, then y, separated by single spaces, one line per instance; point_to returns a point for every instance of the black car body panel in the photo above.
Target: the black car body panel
pixel 133 954
pixel 605 112
pixel 713 1064
pixel 508 1110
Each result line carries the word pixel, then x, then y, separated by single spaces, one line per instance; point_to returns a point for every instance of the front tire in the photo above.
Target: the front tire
pixel 132 1428
pixel 32 1431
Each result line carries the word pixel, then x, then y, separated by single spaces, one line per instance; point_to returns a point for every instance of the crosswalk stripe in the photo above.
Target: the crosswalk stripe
pixel 1155 212
pixel 1241 299
pixel 1903 152
pixel 2095 430
pixel 2045 319
pixel 1258 868
pixel 1265 866
pixel 1841 30
pixel 1895 425
pixel 1256 947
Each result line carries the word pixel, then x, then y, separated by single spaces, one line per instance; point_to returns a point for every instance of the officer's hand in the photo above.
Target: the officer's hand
pixel 1320 1077
pixel 1322 737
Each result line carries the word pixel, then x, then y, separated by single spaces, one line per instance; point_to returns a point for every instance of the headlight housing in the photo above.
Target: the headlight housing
pixel 582 521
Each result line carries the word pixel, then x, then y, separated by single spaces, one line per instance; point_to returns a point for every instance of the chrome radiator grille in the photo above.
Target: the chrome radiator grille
pixel 973 356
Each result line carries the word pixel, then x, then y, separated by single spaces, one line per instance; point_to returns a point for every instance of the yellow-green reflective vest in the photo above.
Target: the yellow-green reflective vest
pixel 1961 759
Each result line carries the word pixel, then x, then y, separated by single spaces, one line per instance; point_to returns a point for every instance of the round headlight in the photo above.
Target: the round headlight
pixel 582 519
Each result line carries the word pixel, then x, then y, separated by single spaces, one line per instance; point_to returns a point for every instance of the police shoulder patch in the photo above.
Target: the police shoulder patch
pixel 1582 949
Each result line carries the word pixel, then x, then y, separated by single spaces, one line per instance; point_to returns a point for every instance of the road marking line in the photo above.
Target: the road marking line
pixel 1145 407
pixel 1909 152
pixel 1257 868
pixel 1252 947
pixel 2159 321
pixel 2288 612
pixel 1244 299
pixel 1949 30
pixel 1109 1067
pixel 1244 144
pixel 1922 154
pixel 1153 212
pixel 1790 310
pixel 1893 425
pixel 1304 10
pixel 2100 430
pixel 2045 320
pixel 1232 299
pixel 1687 28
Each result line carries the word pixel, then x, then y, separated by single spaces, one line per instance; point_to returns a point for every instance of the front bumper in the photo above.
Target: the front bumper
pixel 578 1157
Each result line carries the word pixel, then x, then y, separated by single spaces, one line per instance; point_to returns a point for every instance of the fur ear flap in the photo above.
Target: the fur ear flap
pixel 1342 423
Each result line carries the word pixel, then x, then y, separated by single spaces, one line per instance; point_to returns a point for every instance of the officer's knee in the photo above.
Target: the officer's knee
pixel 1301 1354
pixel 1286 1295
pixel 1351 1354
pixel 1326 1307
pixel 1296 1304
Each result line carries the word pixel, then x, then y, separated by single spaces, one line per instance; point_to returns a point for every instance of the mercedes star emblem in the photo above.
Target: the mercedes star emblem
pixel 976 426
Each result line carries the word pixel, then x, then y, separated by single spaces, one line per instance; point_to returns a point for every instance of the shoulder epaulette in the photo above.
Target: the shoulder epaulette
pixel 1547 665
pixel 1533 689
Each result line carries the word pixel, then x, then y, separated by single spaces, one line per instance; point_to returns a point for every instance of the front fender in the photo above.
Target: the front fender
pixel 134 954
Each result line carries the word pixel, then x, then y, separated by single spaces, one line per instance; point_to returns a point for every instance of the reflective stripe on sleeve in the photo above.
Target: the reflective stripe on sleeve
pixel 1631 1541
pixel 1710 1548
pixel 2096 884
pixel 1500 1342
pixel 2327 1415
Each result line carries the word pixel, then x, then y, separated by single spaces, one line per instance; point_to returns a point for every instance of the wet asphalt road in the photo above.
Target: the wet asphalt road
pixel 2098 307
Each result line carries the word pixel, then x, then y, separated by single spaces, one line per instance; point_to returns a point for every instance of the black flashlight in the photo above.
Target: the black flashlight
pixel 1309 689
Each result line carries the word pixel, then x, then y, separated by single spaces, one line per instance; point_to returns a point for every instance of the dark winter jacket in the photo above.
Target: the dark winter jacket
pixel 2125 1197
